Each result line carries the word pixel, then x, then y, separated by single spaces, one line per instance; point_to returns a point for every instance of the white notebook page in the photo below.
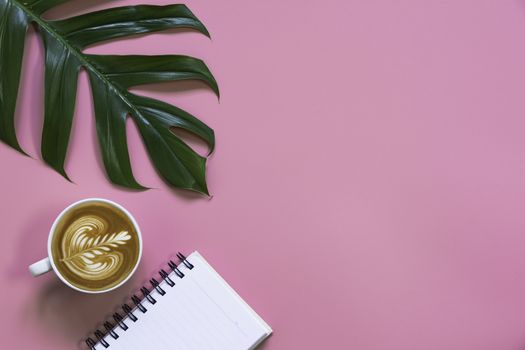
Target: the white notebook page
pixel 200 312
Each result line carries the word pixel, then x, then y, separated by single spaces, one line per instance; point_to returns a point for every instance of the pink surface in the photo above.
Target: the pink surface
pixel 368 181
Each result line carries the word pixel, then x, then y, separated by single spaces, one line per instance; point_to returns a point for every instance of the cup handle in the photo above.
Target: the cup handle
pixel 40 267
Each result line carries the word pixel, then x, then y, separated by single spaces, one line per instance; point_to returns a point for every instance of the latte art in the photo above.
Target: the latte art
pixel 95 246
pixel 91 252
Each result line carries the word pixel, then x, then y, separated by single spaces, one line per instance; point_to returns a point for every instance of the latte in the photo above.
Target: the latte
pixel 95 246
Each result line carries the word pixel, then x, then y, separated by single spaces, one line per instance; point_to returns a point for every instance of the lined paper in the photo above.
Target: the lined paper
pixel 201 311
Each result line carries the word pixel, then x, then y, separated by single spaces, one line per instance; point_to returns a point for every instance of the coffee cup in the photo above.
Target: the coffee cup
pixel 94 246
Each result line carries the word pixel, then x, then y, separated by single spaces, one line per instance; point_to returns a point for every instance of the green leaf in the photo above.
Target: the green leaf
pixel 61 72
pixel 110 118
pixel 154 119
pixel 128 71
pixel 110 78
pixel 41 6
pixel 172 117
pixel 165 148
pixel 117 22
pixel 13 27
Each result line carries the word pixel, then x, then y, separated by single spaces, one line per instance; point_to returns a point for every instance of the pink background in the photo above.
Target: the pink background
pixel 368 183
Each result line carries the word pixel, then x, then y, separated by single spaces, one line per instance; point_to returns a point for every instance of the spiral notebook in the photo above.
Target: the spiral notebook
pixel 189 307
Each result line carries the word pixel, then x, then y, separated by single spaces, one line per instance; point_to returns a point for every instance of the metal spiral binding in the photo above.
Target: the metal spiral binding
pixel 175 269
pixel 157 286
pixel 145 292
pixel 127 310
pixel 184 261
pixel 166 278
pixel 138 302
pixel 120 321
pixel 109 328
pixel 100 337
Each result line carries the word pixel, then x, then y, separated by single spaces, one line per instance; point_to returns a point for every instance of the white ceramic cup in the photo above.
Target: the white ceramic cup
pixel 47 264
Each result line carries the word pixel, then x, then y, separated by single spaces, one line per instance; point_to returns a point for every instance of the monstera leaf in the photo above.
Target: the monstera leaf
pixel 110 78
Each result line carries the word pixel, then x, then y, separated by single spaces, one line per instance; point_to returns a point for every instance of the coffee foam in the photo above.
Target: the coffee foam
pixel 95 246
pixel 90 251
